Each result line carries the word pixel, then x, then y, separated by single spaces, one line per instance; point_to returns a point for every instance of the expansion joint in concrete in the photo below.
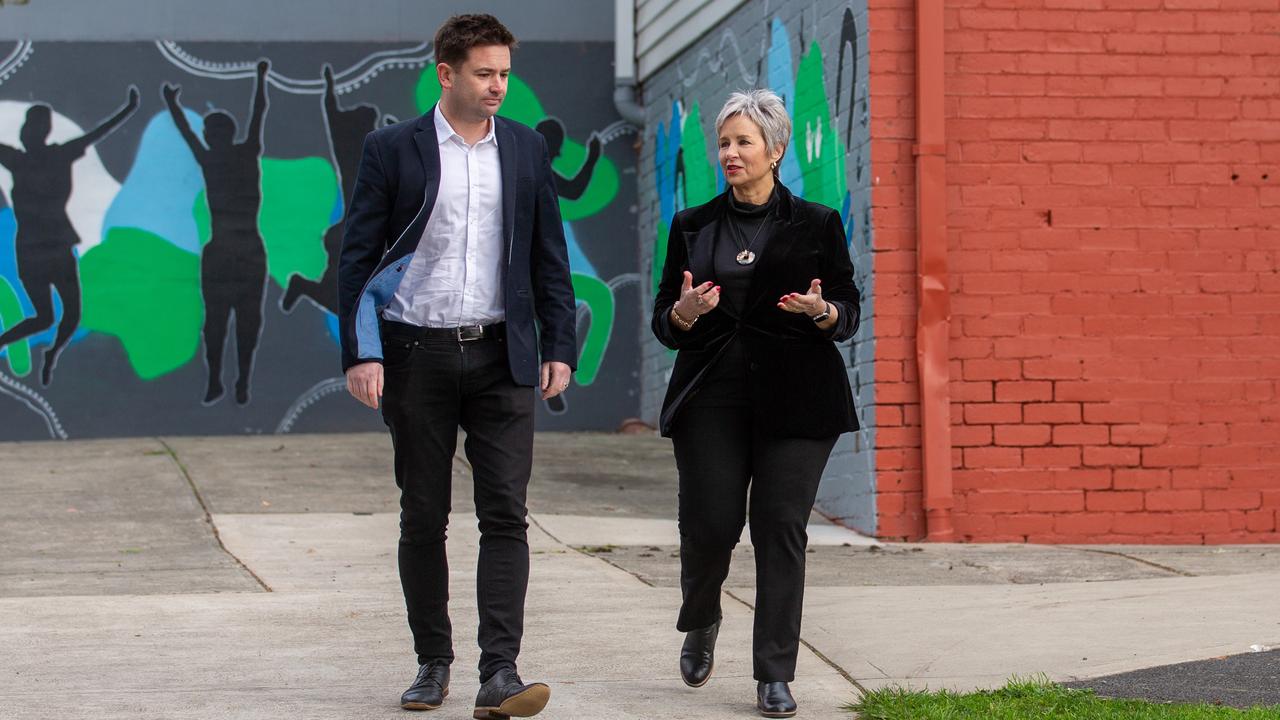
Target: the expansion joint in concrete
pixel 208 517
pixel 816 652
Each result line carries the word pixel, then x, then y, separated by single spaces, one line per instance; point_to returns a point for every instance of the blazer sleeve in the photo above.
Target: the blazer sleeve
pixel 553 297
pixel 364 240
pixel 669 292
pixel 838 287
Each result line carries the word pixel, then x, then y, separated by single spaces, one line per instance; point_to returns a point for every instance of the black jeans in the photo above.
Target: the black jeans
pixel 433 387
pixel 726 466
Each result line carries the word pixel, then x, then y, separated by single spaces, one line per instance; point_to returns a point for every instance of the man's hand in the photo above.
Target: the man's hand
pixel 555 379
pixel 364 382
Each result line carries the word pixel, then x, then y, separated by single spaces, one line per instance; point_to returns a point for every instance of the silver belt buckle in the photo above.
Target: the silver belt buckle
pixel 469 333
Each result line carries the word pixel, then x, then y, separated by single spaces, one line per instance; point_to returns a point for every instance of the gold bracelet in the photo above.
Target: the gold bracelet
pixel 680 322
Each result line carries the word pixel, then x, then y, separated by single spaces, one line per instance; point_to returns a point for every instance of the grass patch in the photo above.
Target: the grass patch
pixel 1035 699
pixel 597 549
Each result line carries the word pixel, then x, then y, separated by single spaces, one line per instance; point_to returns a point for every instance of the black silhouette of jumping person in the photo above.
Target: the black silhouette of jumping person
pixel 569 188
pixel 552 131
pixel 233 265
pixel 46 239
pixel 347 128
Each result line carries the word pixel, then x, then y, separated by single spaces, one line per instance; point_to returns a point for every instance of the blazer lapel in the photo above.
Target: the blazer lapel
pixel 429 151
pixel 507 157
pixel 700 246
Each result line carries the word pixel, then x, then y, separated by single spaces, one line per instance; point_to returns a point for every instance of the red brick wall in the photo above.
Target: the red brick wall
pixel 1113 211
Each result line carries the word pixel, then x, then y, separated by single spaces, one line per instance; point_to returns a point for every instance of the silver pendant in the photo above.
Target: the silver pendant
pixel 746 257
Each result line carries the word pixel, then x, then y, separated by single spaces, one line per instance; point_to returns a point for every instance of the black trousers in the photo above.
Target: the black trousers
pixel 433 387
pixel 728 471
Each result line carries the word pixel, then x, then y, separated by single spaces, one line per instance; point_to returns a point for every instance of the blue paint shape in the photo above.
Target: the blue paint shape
pixel 9 271
pixel 667 146
pixel 8 255
pixel 162 185
pixel 846 218
pixel 335 216
pixel 335 333
pixel 578 261
pixel 782 80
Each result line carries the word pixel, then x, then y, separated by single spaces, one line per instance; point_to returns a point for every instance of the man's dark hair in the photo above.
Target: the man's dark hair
pixel 460 33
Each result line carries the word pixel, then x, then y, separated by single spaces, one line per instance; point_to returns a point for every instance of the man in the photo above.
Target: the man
pixel 441 329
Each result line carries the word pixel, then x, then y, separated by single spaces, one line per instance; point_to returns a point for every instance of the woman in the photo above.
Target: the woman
pixel 756 290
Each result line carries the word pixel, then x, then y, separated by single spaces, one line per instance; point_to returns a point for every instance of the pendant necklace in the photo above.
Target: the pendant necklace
pixel 745 256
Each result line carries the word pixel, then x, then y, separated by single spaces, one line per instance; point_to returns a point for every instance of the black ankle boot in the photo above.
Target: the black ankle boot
pixel 698 656
pixel 774 700
pixel 505 696
pixel 429 689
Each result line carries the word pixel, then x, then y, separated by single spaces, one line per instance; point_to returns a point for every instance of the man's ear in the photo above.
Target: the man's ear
pixel 444 74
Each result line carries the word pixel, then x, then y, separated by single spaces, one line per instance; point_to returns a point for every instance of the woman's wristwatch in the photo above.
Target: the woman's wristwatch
pixel 822 316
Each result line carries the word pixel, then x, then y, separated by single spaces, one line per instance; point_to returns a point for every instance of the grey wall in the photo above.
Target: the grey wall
pixel 795 49
pixel 296 20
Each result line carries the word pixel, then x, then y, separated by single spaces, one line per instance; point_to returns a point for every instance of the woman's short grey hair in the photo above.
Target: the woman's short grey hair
pixel 765 109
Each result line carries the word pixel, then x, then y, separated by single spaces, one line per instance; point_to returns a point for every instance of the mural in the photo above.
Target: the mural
pixel 818 67
pixel 815 166
pixel 144 248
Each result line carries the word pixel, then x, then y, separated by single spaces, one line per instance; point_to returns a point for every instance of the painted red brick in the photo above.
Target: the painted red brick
pixel 1115 269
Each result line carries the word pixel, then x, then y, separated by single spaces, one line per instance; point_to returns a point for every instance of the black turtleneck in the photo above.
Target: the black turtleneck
pixel 742 223
pixel 726 382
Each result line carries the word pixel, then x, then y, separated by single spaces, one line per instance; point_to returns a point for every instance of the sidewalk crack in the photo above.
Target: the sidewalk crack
pixel 1126 556
pixel 820 655
pixel 208 517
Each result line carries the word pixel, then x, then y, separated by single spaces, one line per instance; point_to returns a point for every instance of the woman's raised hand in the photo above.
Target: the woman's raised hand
pixel 810 303
pixel 696 301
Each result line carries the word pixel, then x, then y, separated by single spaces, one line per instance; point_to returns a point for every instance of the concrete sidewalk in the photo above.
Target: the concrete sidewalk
pixel 249 577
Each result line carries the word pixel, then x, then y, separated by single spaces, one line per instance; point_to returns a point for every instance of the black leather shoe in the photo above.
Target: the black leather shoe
pixel 774 700
pixel 698 656
pixel 429 689
pixel 506 696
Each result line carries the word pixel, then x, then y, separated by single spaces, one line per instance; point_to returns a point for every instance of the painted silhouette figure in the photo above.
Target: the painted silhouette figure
pixel 46 240
pixel 569 188
pixel 347 129
pixel 233 265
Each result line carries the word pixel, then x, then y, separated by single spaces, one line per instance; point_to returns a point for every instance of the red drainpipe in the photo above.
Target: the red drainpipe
pixel 933 323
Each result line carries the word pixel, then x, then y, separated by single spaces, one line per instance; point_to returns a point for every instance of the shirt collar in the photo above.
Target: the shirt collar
pixel 444 130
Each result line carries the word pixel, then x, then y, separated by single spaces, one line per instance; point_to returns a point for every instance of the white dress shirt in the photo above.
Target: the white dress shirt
pixel 455 277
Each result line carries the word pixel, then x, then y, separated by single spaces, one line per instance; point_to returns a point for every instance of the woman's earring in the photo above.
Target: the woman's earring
pixel 773 165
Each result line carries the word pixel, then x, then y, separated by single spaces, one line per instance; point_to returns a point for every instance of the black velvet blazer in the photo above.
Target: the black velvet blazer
pixel 797 379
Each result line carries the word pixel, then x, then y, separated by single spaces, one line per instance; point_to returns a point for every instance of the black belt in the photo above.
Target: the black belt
pixel 465 333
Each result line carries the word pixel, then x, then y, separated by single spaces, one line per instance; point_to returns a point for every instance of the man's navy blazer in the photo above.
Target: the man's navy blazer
pixel 394 195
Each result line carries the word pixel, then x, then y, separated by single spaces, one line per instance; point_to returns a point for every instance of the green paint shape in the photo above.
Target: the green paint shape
pixel 699 167
pixel 145 291
pixel 823 167
pixel 659 254
pixel 602 189
pixel 523 106
pixel 297 203
pixel 18 353
pixel 599 299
